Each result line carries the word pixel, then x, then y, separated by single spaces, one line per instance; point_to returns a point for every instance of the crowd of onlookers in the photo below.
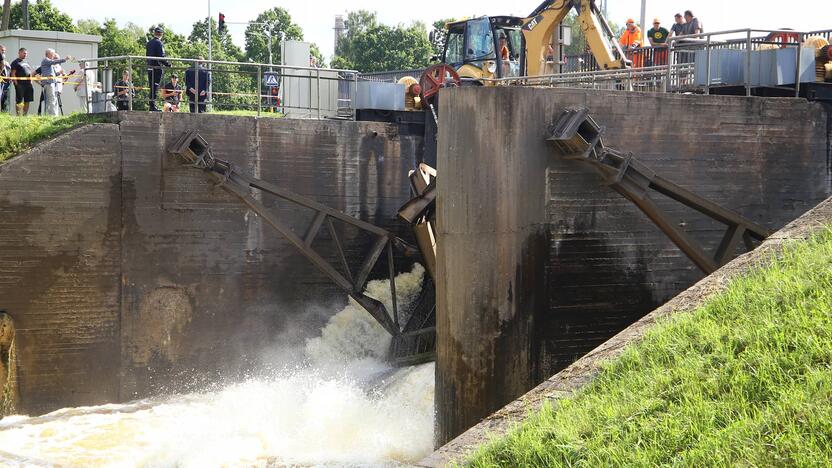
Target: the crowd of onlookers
pixel 54 82
pixel 632 39
pixel 50 76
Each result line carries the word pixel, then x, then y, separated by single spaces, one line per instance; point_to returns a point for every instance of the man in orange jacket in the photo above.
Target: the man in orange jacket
pixel 630 40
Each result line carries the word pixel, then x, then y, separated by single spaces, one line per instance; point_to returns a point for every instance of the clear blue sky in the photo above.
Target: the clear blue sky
pixel 316 17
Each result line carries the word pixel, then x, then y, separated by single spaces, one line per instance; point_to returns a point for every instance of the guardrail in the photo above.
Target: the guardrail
pixel 299 92
pixel 391 76
pixel 741 58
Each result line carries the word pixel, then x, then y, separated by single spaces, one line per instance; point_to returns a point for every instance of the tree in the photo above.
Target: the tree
pixel 278 21
pixel 579 45
pixel 440 35
pixel 43 16
pixel 369 46
pixel 358 22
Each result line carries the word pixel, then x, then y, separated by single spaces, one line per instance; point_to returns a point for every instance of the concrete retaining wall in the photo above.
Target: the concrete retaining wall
pixel 571 380
pixel 538 262
pixel 128 274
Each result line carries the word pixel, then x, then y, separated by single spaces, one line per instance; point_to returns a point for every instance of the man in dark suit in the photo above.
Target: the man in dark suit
pixel 155 48
pixel 197 83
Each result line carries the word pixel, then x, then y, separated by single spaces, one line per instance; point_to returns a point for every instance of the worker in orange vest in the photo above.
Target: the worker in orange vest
pixel 631 40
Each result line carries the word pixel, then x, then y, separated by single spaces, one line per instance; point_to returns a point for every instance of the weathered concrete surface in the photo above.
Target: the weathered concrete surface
pixel 129 274
pixel 538 262
pixel 566 382
pixel 60 221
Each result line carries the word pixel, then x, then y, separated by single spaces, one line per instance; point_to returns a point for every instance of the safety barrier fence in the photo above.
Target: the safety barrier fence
pixel 742 58
pixel 300 92
pixel 391 76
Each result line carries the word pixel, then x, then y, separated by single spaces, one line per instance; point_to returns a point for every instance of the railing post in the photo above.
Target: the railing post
pixel 318 78
pixel 667 85
pixel 196 88
pixel 87 91
pixel 797 66
pixel 748 63
pixel 257 89
pixel 354 97
pixel 708 65
pixel 129 83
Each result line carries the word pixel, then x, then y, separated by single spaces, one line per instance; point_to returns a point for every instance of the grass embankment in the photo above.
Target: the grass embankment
pixel 744 380
pixel 18 134
pixel 249 113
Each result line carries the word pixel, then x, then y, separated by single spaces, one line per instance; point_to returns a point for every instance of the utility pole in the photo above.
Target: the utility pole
pixel 210 99
pixel 210 34
pixel 644 42
pixel 24 6
pixel 7 12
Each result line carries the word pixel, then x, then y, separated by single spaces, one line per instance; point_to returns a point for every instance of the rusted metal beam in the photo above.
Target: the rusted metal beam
pixel 194 149
pixel 576 136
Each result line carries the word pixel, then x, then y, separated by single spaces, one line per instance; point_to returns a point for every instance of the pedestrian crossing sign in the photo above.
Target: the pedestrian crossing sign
pixel 271 79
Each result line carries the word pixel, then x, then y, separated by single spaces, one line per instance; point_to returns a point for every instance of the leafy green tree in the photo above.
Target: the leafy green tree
pixel 369 46
pixel 43 16
pixel 358 22
pixel 280 23
pixel 440 35
pixel 579 44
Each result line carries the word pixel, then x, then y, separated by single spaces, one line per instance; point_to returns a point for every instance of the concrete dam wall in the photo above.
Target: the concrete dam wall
pixel 539 262
pixel 128 274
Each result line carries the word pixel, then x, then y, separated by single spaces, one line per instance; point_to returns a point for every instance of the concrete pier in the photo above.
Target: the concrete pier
pixel 128 274
pixel 538 262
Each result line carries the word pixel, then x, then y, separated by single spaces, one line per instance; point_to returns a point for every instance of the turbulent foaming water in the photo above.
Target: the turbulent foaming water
pixel 331 411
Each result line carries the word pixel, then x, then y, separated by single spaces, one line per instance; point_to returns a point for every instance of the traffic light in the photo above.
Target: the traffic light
pixel 221 24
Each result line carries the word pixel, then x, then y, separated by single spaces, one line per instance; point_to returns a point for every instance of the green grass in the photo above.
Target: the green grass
pixel 18 134
pixel 249 113
pixel 745 380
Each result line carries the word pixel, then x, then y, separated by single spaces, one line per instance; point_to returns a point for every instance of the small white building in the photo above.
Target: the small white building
pixel 76 45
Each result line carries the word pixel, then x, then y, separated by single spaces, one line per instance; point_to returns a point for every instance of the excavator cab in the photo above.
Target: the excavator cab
pixel 473 47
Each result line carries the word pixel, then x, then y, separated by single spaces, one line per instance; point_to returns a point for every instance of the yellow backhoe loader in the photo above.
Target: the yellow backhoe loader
pixel 506 46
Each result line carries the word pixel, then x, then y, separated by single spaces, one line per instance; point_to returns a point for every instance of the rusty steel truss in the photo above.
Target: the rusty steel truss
pixel 413 340
pixel 576 136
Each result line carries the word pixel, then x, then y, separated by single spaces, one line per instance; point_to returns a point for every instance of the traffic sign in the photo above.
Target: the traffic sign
pixel 271 79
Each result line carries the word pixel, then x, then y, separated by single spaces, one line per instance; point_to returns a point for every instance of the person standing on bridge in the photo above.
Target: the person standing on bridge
pixel 22 72
pixel 658 40
pixel 197 83
pixel 692 24
pixel 4 74
pixel 155 48
pixel 124 91
pixel 630 41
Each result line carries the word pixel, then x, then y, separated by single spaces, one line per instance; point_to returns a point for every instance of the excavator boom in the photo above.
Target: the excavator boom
pixel 539 29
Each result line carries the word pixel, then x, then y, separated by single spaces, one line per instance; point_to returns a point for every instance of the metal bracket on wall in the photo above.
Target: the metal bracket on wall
pixel 577 136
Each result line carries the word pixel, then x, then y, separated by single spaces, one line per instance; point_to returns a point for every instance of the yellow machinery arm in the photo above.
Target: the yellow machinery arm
pixel 539 29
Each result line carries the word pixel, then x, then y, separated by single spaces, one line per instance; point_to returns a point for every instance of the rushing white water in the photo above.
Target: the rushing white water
pixel 324 413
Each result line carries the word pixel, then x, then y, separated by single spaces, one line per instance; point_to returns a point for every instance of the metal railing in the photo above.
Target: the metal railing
pixel 391 76
pixel 742 58
pixel 301 92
